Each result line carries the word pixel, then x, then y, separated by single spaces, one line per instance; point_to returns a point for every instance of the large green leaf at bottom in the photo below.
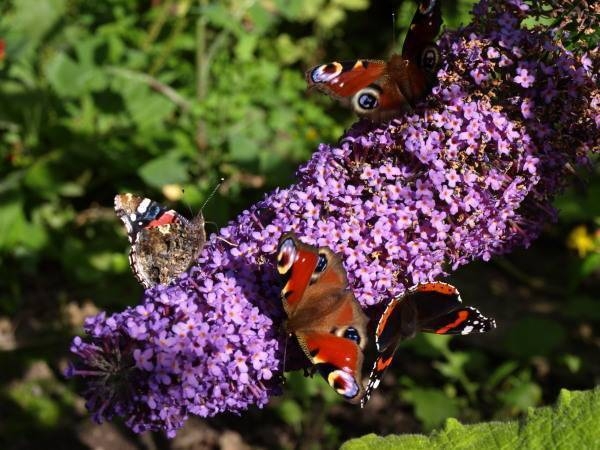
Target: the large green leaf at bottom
pixel 573 423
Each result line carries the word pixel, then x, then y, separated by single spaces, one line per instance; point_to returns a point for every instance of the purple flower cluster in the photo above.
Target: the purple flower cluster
pixel 470 174
pixel 188 350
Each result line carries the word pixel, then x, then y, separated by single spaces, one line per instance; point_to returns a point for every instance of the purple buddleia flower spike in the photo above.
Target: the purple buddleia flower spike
pixel 469 174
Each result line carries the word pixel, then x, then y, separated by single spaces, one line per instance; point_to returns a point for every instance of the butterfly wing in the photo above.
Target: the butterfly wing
pixel 296 263
pixel 164 252
pixel 163 242
pixel 345 78
pixel 323 314
pixel 378 89
pixel 338 360
pixel 415 70
pixel 434 307
pixel 363 84
pixel 138 213
pixel 425 26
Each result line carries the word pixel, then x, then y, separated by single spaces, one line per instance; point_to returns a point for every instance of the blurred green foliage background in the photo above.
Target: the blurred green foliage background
pixel 165 97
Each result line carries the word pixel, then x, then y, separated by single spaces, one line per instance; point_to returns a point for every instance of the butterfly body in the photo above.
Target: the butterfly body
pixel 433 307
pixel 163 242
pixel 323 314
pixel 380 89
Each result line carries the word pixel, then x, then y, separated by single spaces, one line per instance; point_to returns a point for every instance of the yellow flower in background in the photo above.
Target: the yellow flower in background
pixel 582 241
pixel 172 192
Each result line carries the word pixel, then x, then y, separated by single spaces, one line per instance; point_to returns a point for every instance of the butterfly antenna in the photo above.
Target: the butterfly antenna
pixel 394 30
pixel 212 194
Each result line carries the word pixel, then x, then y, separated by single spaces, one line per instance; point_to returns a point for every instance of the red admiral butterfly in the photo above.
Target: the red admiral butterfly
pixel 378 89
pixel 429 307
pixel 163 242
pixel 323 313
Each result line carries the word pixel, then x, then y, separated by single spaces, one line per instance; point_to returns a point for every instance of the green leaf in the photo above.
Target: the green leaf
pixel 330 16
pixel 147 108
pixel 454 366
pixel 579 208
pixel 167 169
pixel 16 230
pixel 522 394
pixel 71 79
pixel 39 404
pixel 299 9
pixel 219 16
pixel 500 373
pixel 437 344
pixel 432 406
pixel 353 5
pixel 12 223
pixel 574 423
pixel 290 412
pixel 63 74
pixel 242 148
pixel 32 20
pixel 246 45
pixel 573 362
pixel 590 264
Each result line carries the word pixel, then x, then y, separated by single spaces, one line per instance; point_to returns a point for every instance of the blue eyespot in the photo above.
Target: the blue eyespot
pixel 352 334
pixel 321 264
pixel 367 101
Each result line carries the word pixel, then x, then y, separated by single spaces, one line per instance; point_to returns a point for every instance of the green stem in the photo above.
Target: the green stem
pixel 155 84
pixel 157 24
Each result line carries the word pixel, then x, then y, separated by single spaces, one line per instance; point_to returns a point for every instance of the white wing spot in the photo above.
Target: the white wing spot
pixel 143 206
pixel 467 330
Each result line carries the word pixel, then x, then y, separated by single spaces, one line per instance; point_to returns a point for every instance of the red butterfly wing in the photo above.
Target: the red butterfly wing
pixel 296 266
pixel 323 314
pixel 338 360
pixel 379 90
pixel 346 78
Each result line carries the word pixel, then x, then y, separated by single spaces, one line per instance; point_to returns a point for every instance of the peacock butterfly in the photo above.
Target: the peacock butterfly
pixel 323 314
pixel 434 307
pixel 378 89
pixel 163 242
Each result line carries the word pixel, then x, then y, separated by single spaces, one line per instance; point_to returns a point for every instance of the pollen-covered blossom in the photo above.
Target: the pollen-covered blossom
pixel 469 174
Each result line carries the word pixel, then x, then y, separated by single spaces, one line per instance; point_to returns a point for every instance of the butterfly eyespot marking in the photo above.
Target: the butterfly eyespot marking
pixel 427 10
pixel 343 383
pixel 430 58
pixel 321 263
pixel 366 99
pixel 326 72
pixel 352 334
pixel 286 256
